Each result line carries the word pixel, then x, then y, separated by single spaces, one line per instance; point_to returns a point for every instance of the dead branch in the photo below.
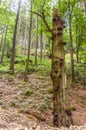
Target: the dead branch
pixel 44 19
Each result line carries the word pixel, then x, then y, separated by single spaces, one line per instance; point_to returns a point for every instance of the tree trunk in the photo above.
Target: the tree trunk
pixel 44 47
pixel 85 6
pixel 1 42
pixel 0 2
pixel 29 43
pixel 25 38
pixel 14 41
pixel 61 112
pixel 22 44
pixel 71 44
pixel 59 2
pixel 77 45
pixel 41 44
pixel 36 45
pixel 4 45
pixel 77 55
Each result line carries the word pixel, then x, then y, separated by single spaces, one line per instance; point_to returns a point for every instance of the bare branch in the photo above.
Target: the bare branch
pixel 44 19
pixel 36 13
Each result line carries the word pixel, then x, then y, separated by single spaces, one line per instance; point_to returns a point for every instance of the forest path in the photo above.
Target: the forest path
pixel 28 105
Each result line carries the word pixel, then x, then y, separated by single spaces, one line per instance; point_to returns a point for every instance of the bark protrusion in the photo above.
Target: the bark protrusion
pixel 64 43
pixel 54 19
pixel 59 28
pixel 61 61
pixel 68 111
pixel 60 76
pixel 52 38
pixel 55 120
pixel 60 33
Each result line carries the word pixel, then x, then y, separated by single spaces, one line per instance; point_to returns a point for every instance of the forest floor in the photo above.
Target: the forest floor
pixel 30 103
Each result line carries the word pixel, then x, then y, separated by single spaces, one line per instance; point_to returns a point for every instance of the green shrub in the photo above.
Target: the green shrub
pixel 73 109
pixel 28 93
pixel 1 102
pixel 10 78
pixel 12 104
pixel 45 105
pixel 50 90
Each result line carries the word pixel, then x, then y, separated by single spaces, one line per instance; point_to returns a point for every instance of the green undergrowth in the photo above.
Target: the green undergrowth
pixel 28 93
pixel 79 71
pixel 72 108
pixel 43 68
pixel 12 104
pixel 50 90
pixel 10 78
pixel 20 62
pixel 45 104
pixel 4 67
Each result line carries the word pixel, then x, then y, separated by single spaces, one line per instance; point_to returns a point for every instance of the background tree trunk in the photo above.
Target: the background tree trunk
pixel 59 2
pixel 36 44
pixel 25 38
pixel 2 37
pixel 14 41
pixel 71 44
pixel 29 43
pixel 77 45
pixel 85 6
pixel 41 44
pixel 0 2
pixel 4 45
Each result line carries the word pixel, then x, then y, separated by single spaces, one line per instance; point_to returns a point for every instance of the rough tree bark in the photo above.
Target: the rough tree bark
pixel 14 41
pixel 61 113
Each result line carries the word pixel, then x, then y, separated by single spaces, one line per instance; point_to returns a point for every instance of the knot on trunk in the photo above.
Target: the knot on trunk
pixel 68 111
pixel 55 119
pixel 59 28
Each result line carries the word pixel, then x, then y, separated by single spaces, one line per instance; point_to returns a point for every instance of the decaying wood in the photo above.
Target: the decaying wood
pixel 61 112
